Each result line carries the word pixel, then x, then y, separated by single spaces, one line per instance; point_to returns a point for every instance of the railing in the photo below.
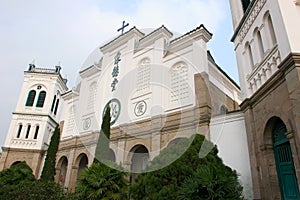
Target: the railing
pixel 264 70
pixel 23 143
pixel 42 70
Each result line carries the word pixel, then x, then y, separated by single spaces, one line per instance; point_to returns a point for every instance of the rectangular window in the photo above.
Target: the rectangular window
pixel 36 132
pixel 28 131
pixel 19 130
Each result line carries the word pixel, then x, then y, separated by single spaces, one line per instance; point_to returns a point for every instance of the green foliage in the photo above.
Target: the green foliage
pixel 41 190
pixel 102 182
pixel 18 182
pixel 212 183
pixel 189 177
pixel 105 126
pixel 102 149
pixel 48 172
pixel 15 175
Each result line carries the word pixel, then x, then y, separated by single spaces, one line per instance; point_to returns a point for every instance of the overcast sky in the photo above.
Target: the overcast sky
pixel 67 31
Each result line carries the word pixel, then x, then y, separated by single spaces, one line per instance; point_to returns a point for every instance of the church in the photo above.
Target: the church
pixel 161 87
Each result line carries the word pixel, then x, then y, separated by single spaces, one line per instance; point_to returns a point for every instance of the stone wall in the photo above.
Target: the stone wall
pixel 280 98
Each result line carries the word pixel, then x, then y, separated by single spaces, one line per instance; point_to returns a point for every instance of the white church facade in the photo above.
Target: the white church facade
pixel 162 87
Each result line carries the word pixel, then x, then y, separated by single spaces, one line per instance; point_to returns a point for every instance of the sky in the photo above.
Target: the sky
pixel 67 31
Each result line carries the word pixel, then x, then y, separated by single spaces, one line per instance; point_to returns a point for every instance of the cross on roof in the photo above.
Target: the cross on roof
pixel 123 27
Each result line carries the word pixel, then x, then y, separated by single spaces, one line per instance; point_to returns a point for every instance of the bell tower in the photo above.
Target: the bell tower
pixel 35 118
pixel 267 46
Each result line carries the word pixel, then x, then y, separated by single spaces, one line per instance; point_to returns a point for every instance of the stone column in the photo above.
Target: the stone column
pixel 69 168
pixel 155 145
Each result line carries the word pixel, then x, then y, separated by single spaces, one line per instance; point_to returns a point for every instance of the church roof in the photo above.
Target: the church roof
pixel 211 59
pixel 157 30
pixel 192 31
pixel 120 37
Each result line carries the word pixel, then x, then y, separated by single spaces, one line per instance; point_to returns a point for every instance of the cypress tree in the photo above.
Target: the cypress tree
pixel 48 172
pixel 102 148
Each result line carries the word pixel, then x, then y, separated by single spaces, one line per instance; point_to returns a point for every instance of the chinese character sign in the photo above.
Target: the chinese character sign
pixel 115 71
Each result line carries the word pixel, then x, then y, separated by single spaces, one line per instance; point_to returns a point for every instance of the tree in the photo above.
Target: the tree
pixel 15 175
pixel 188 177
pixel 102 181
pixel 102 148
pixel 48 172
pixel 41 190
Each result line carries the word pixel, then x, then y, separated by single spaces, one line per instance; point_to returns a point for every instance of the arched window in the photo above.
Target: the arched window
pixel 53 103
pixel 56 106
pixel 139 161
pixel 30 98
pixel 41 99
pixel 260 45
pixel 179 83
pixel 28 131
pixel 36 132
pixel 271 29
pixel 62 167
pixel 82 163
pixel 249 54
pixel 19 130
pixel 143 75
pixel 223 110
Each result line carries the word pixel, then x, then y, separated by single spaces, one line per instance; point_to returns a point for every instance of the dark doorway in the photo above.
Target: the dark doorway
pixel 284 162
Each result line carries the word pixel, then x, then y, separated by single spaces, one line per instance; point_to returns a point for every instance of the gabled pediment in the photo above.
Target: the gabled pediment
pixel 161 32
pixel 122 39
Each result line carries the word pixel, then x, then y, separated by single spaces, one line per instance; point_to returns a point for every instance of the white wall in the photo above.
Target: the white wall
pixel 228 132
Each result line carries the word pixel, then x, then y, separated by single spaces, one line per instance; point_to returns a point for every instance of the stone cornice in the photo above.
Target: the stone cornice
pixel 69 95
pixel 61 80
pixel 89 71
pixel 38 115
pixel 23 150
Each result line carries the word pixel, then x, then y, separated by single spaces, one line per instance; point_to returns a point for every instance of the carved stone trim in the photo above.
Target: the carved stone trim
pixel 266 147
pixel 290 134
pixel 250 19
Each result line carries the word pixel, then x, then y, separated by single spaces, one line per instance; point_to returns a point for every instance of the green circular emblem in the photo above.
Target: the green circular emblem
pixel 115 109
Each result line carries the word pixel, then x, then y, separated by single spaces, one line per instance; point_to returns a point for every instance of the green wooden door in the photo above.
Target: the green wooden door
pixel 284 164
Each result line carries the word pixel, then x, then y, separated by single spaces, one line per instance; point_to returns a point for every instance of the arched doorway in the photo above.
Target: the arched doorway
pixel 139 161
pixel 62 167
pixel 111 155
pixel 15 163
pixel 284 162
pixel 174 141
pixel 82 164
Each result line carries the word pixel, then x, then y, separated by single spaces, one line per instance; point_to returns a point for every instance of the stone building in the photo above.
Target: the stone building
pixel 267 45
pixel 36 115
pixel 160 87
